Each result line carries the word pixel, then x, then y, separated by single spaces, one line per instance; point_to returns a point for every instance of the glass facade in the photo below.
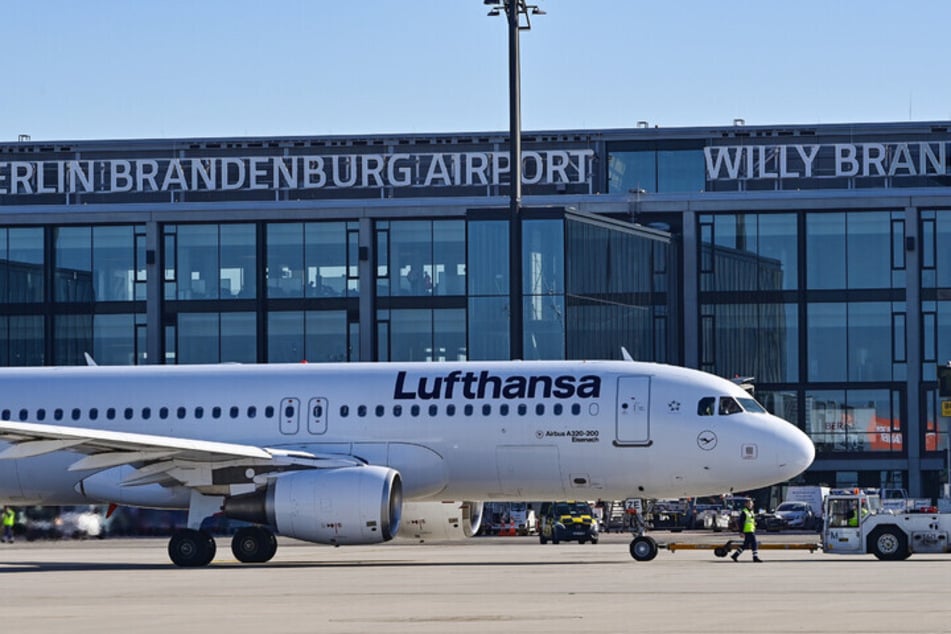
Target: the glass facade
pixel 810 257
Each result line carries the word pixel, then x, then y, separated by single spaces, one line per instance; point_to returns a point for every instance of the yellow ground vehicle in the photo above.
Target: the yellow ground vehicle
pixel 567 521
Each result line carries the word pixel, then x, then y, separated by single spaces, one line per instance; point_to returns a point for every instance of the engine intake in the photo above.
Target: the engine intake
pixel 350 505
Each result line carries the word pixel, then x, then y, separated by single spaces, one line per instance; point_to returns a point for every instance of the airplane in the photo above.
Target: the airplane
pixel 341 453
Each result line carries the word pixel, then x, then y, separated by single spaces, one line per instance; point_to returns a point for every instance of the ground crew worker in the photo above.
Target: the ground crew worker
pixel 9 518
pixel 748 526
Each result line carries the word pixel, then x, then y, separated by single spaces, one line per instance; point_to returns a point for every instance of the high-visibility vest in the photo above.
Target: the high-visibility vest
pixel 9 517
pixel 749 521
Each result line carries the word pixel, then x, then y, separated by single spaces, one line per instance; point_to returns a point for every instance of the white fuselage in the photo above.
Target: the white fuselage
pixel 468 430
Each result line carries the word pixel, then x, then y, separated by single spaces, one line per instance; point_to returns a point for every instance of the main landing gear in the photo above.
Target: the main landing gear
pixel 192 548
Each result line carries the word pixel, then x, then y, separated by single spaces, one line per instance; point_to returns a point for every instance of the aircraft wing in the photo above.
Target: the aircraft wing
pixel 160 459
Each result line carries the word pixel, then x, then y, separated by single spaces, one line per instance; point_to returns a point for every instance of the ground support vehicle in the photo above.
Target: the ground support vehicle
pixel 887 535
pixel 856 524
pixel 567 521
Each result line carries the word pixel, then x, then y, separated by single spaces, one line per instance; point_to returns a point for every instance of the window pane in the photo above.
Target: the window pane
pixel 411 265
pixel 285 337
pixel 449 253
pixel 25 274
pixel 825 250
pixel 544 318
pixel 488 328
pixel 449 333
pixel 197 258
pixel 411 337
pixel 681 171
pixel 760 340
pixel 72 337
pixel 326 336
pixel 74 264
pixel 114 339
pixel 325 256
pixel 238 262
pixel 778 243
pixel 114 263
pixel 827 338
pixel 487 261
pixel 26 340
pixel 198 335
pixel 285 260
pixel 633 170
pixel 870 341
pixel 238 338
pixel 543 257
pixel 869 250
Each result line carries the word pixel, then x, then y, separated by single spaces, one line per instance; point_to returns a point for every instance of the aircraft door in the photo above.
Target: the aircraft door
pixel 290 415
pixel 317 415
pixel 633 410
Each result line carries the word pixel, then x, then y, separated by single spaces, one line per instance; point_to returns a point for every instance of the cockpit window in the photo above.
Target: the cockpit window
pixel 706 406
pixel 751 405
pixel 728 405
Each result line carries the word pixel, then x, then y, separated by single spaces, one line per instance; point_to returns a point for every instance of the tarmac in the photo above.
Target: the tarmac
pixel 485 584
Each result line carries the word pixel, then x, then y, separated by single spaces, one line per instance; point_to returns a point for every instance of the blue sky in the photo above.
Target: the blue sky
pixel 104 69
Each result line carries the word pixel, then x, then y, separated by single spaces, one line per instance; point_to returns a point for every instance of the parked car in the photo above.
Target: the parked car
pixel 567 521
pixel 795 515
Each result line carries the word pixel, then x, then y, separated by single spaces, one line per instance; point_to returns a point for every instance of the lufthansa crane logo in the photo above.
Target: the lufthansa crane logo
pixel 707 440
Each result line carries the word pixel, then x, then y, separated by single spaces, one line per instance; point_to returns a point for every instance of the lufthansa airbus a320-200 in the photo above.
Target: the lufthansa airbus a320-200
pixel 341 453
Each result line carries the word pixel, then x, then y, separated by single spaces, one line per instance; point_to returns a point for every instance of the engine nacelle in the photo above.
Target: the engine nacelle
pixel 350 505
pixel 451 521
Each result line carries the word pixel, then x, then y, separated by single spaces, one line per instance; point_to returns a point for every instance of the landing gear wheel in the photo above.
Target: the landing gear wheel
pixel 189 548
pixel 253 545
pixel 643 548
pixel 888 543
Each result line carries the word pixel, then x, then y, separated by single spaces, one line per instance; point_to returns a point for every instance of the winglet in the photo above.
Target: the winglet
pixel 89 359
pixel 625 354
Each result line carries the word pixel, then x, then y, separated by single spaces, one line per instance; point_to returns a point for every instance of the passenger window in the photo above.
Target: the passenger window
pixel 57 414
pixel 344 411
pixel 40 414
pixel 111 413
pixel 558 408
pixel 268 412
pixel 414 410
pixel 450 410
pixel 252 411
pixel 380 410
pixel 522 409
pixel 706 405
pixel 93 414
pixel 575 409
pixel 729 406
pixel 504 409
pixel 540 409
pixel 6 414
pixel 233 412
pixel 146 413
pixel 216 412
pixel 362 411
pixel 127 414
pixel 163 413
pixel 75 414
pixel 199 412
pixel 397 410
pixel 486 410
pixel 24 414
pixel 468 409
pixel 181 412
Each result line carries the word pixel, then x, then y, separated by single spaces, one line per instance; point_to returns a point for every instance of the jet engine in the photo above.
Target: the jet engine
pixel 453 521
pixel 350 505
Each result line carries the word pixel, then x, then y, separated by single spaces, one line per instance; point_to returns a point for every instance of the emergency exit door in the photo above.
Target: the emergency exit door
pixel 633 410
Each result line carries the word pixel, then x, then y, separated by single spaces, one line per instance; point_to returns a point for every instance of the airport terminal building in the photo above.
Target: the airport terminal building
pixel 809 257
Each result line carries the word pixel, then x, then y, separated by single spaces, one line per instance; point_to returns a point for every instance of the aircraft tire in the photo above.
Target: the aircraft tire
pixel 189 548
pixel 253 545
pixel 643 548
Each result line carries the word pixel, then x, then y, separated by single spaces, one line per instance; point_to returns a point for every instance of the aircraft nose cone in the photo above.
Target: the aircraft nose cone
pixel 799 451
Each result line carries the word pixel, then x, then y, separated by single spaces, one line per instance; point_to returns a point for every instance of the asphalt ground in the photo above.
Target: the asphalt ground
pixel 486 585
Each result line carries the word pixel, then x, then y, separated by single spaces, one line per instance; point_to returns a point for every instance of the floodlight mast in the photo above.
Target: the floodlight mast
pixel 518 14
